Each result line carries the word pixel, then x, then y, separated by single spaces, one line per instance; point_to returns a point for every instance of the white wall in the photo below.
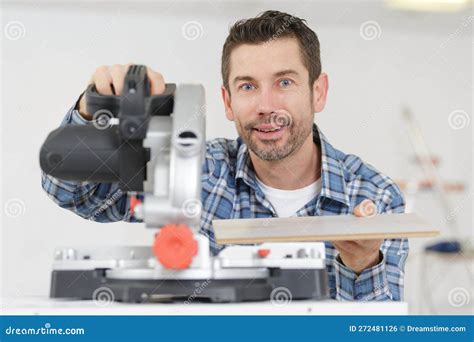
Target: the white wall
pixel 420 60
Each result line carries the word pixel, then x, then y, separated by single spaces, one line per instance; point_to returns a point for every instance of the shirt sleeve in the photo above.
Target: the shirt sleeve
pixel 384 281
pixel 101 202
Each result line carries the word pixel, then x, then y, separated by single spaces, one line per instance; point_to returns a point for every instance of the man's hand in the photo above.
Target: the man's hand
pixel 109 81
pixel 359 255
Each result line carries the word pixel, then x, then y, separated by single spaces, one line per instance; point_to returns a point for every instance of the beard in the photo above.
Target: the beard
pixel 274 150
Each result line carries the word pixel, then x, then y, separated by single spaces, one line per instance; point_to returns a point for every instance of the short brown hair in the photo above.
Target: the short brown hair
pixel 268 26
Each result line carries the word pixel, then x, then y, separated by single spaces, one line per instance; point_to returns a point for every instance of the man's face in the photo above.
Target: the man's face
pixel 270 98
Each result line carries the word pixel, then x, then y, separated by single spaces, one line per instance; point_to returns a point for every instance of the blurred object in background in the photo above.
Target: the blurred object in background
pixel 452 252
pixel 429 5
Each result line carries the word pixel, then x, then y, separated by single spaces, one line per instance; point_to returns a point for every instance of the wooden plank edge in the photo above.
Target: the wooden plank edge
pixel 328 238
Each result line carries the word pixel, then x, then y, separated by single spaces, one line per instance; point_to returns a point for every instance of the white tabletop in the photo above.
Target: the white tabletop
pixel 45 306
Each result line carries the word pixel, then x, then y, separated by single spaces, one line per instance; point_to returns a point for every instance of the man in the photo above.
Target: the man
pixel 281 164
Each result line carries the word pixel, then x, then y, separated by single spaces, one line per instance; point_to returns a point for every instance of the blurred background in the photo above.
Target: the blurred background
pixel 400 97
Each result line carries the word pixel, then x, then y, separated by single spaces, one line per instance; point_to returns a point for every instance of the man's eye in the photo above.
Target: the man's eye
pixel 247 86
pixel 285 83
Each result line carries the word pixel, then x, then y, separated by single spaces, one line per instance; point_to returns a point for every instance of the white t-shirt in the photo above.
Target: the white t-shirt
pixel 288 202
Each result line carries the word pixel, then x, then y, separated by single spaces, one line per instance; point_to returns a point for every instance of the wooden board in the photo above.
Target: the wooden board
pixel 321 228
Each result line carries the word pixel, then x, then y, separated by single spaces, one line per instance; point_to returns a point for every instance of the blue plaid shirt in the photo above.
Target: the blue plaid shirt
pixel 230 191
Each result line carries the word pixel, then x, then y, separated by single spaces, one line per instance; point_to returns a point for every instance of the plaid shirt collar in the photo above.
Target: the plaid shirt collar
pixel 333 183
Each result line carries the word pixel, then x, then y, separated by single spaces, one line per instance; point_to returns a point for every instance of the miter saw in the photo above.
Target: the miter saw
pixel 157 148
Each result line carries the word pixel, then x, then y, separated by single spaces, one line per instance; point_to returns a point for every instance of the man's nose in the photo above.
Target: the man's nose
pixel 266 102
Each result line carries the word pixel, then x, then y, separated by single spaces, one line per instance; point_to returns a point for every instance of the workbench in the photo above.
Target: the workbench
pixel 41 305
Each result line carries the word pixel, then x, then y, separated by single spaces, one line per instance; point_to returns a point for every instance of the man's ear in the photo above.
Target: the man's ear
pixel 320 92
pixel 227 104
